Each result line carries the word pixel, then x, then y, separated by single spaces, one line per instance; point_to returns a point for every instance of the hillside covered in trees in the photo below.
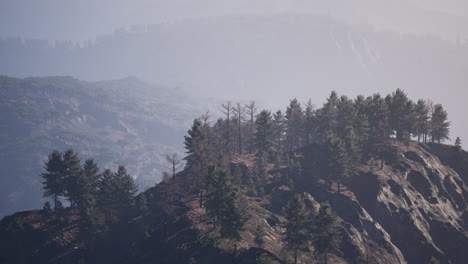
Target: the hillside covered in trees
pixel 364 180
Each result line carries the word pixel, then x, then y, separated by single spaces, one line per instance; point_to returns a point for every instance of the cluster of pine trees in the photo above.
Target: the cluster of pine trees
pixel 344 126
pixel 99 198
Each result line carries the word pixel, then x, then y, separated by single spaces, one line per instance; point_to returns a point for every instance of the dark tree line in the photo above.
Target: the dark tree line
pixel 345 126
pixel 100 198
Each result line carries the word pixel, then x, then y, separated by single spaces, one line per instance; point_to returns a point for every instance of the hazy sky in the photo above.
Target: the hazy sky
pixel 79 20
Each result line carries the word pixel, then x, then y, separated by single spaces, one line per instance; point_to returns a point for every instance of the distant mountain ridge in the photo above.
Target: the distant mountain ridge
pixel 116 122
pixel 268 58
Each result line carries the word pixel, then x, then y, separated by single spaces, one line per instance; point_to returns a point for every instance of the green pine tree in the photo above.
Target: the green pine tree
pixel 327 116
pixel 279 130
pixel 309 122
pixel 264 131
pixel 196 158
pixel 234 215
pixel 439 124
pixel 216 184
pixel 421 125
pixel 326 233
pixel 107 200
pixel 458 143
pixel 378 117
pixel 340 166
pixel 401 113
pixel 294 125
pixel 298 222
pixel 53 184
pixel 126 188
pixel 89 220
pixel 72 174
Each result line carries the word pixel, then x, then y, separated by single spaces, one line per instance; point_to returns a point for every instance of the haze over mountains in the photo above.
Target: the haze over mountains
pixel 87 19
pixel 267 58
pixel 121 122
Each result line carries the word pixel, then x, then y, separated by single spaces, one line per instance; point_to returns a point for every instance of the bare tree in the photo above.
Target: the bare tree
pixel 251 110
pixel 227 110
pixel 239 110
pixel 175 162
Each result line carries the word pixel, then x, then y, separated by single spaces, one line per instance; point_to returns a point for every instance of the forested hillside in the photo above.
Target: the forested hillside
pixel 364 180
pixel 125 122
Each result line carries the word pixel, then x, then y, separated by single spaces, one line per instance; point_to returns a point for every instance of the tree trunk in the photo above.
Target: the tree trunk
pixel 295 256
pixel 251 131
pixel 240 138
pixel 201 197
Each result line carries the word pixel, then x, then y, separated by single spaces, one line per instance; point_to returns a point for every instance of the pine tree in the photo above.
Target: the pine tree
pixel 72 173
pixel 46 206
pixel 196 158
pixel 339 163
pixel 294 125
pixel 401 112
pixel 346 115
pixel 458 143
pixel 297 235
pixel 107 201
pixel 439 124
pixel 264 131
pixel 421 120
pixel 279 130
pixel 327 229
pixel 53 184
pixel 327 117
pixel 86 186
pixel 378 117
pixel 234 215
pixel 217 185
pixel 89 219
pixel 309 119
pixel 126 188
pixel 90 177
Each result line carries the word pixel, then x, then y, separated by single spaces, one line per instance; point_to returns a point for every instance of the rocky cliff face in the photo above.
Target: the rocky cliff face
pixel 419 199
pixel 408 204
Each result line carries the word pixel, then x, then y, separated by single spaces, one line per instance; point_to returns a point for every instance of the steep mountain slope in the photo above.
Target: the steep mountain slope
pixel 408 204
pixel 117 122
